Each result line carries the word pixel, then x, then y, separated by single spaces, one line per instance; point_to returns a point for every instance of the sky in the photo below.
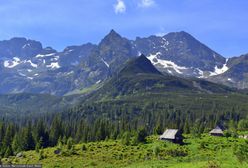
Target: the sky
pixel 220 24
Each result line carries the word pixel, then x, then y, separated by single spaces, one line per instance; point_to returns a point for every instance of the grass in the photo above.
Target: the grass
pixel 204 152
pixel 85 90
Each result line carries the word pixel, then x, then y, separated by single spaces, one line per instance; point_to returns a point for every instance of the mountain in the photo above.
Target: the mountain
pixel 26 66
pixel 180 54
pixel 142 95
pixel 139 76
pixel 237 73
pixel 19 47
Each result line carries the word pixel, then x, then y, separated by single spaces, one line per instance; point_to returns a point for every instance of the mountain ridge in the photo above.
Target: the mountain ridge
pixel 45 70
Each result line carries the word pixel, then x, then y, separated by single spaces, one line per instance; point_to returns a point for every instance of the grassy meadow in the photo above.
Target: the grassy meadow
pixel 200 152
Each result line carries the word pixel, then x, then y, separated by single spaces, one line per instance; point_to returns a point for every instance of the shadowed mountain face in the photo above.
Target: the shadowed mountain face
pixel 140 65
pixel 139 76
pixel 25 66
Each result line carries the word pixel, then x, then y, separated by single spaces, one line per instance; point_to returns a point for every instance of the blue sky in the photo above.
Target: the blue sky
pixel 220 24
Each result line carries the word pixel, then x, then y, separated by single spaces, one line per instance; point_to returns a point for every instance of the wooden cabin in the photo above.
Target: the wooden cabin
pixel 172 135
pixel 217 131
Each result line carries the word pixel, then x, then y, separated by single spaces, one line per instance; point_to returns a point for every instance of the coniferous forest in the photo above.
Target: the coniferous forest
pixel 110 119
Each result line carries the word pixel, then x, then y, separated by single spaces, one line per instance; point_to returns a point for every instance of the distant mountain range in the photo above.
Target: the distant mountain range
pixel 25 66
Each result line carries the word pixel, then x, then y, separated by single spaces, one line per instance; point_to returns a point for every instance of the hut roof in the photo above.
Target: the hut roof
pixel 169 134
pixel 216 130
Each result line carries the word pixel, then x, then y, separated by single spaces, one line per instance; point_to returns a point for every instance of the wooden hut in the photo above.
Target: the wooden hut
pixel 172 135
pixel 217 131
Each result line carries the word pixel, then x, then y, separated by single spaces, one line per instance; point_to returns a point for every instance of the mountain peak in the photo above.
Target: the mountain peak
pixel 112 35
pixel 22 39
pixel 113 32
pixel 179 34
pixel 140 65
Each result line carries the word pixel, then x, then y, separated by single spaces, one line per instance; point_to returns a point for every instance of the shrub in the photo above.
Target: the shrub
pixel 177 152
pixel 142 135
pixel 241 151
pixel 156 150
pixel 69 144
pixel 8 152
pixel 243 124
pixel 41 154
pixel 126 137
pixel 230 133
pixel 213 164
pixel 84 147
pixel 203 145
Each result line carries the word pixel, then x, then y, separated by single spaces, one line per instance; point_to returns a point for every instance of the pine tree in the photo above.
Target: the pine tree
pixel 28 140
pixel 186 128
pixel 16 144
pixel 8 138
pixel 126 137
pixel 38 145
pixel 8 152
pixel 55 131
pixel 69 144
pixel 141 137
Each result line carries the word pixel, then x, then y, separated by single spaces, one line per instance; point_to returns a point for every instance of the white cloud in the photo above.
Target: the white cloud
pixel 120 7
pixel 146 3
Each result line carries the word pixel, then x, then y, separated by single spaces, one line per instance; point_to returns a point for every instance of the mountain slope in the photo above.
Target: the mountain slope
pixel 180 54
pixel 140 76
pixel 25 66
pixel 237 74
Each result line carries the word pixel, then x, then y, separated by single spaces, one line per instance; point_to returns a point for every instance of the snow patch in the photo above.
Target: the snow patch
pixel 98 81
pixel 219 71
pixel 26 45
pixel 44 55
pixel 165 63
pixel 105 63
pixel 201 73
pixel 32 64
pixel 31 78
pixel 12 64
pixel 54 65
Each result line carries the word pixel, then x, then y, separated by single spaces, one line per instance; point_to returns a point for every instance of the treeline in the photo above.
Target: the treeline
pixel 100 121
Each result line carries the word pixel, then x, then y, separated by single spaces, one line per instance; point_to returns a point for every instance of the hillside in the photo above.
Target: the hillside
pixel 140 76
pixel 204 152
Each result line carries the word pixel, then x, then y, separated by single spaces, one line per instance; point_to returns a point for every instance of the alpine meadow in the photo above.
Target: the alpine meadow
pixel 147 91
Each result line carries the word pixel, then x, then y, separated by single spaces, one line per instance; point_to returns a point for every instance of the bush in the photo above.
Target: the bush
pixel 156 150
pixel 177 152
pixel 243 124
pixel 84 147
pixel 126 138
pixel 41 154
pixel 213 164
pixel 241 151
pixel 203 145
pixel 8 152
pixel 142 135
pixel 229 133
pixel 69 144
